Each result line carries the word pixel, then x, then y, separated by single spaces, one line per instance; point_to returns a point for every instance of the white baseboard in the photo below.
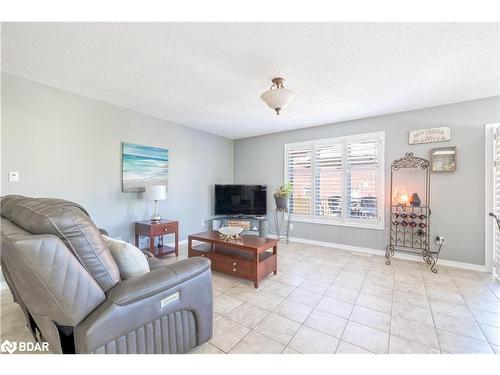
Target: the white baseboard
pixel 366 250
pixel 465 266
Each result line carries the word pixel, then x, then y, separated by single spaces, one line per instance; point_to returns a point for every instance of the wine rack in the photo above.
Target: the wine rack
pixel 410 224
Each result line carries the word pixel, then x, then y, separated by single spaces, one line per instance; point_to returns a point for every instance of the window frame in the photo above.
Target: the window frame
pixel 343 220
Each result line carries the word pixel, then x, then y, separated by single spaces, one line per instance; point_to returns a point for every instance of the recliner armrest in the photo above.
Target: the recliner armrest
pixel 156 281
pixel 133 316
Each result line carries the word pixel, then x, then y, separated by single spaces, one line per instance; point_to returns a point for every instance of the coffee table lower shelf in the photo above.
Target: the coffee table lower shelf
pixel 247 265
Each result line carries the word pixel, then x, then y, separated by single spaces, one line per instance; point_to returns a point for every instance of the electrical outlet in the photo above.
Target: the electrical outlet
pixel 203 223
pixel 439 240
pixel 291 226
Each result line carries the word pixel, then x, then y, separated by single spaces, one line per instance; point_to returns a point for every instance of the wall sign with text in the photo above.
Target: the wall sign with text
pixel 430 135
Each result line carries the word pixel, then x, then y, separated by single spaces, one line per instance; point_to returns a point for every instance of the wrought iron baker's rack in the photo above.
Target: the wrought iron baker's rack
pixel 409 224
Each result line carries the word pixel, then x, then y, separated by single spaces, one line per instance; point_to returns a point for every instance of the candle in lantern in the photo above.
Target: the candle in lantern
pixel 401 196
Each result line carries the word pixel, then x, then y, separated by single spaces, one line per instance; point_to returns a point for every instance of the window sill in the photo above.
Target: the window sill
pixel 376 226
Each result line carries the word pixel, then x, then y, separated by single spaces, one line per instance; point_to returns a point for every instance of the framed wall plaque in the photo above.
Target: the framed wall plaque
pixel 430 135
pixel 444 159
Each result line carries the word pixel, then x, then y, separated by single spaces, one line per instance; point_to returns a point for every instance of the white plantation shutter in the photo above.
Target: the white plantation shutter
pixel 497 199
pixel 299 173
pixel 362 179
pixel 337 180
pixel 328 180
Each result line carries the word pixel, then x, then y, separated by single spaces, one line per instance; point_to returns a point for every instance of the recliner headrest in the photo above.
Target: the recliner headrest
pixel 72 224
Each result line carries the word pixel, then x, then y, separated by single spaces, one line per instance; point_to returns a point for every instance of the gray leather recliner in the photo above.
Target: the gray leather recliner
pixel 64 278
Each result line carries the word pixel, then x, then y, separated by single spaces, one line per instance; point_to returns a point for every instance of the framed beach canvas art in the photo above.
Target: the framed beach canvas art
pixel 143 166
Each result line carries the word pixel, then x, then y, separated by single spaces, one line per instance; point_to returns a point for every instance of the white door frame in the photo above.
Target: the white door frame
pixel 490 226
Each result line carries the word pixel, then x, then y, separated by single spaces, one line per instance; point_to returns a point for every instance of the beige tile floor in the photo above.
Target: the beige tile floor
pixel 325 300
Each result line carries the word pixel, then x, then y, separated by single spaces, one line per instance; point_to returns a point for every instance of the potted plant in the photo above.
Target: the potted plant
pixel 281 196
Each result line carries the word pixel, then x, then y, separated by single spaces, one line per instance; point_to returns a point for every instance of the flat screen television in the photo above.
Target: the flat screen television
pixel 240 200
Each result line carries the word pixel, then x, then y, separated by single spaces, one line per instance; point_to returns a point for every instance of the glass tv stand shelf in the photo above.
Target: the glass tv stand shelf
pixel 251 224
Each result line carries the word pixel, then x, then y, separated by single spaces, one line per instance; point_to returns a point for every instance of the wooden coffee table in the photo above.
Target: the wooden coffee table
pixel 247 258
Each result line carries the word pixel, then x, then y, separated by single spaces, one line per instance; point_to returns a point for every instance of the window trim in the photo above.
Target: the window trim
pixel 341 221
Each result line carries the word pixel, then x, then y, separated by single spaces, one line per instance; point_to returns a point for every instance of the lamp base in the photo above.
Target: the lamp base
pixel 155 218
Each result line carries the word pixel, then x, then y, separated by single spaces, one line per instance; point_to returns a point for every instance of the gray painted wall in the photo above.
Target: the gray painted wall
pixel 68 146
pixel 457 198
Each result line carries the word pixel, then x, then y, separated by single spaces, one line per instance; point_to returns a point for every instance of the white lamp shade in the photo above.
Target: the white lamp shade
pixel 156 192
pixel 277 98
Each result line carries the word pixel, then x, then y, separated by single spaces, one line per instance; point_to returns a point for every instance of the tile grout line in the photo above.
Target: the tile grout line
pixel 333 314
pixel 343 269
pixel 250 329
pixel 324 294
pixel 268 313
pixel 390 314
pixel 301 324
pixel 348 319
pixel 468 308
pixel 366 325
pixel 253 330
pixel 225 316
pixel 353 305
pixel 314 307
pixel 432 316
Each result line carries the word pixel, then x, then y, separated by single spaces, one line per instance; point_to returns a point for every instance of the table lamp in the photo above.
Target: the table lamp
pixel 156 193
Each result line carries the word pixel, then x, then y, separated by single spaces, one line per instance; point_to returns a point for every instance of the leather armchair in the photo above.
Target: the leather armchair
pixel 69 288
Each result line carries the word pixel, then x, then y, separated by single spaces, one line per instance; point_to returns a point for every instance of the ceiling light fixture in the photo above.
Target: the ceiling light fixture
pixel 277 97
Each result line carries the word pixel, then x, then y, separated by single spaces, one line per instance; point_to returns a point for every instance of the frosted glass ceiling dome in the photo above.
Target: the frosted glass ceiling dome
pixel 277 97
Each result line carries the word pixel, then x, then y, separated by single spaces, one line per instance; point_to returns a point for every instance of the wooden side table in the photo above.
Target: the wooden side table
pixel 158 229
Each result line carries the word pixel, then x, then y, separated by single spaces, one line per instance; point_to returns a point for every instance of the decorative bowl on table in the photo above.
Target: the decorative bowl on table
pixel 230 233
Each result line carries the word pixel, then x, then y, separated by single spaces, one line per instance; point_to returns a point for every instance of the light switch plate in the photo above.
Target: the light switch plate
pixel 14 176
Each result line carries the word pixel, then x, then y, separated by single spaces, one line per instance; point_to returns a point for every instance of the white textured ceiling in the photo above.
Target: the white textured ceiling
pixel 210 76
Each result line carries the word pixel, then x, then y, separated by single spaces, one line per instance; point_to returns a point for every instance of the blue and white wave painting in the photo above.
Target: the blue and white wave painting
pixel 143 166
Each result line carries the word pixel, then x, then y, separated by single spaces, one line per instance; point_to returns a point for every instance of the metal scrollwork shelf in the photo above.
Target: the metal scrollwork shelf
pixel 410 224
